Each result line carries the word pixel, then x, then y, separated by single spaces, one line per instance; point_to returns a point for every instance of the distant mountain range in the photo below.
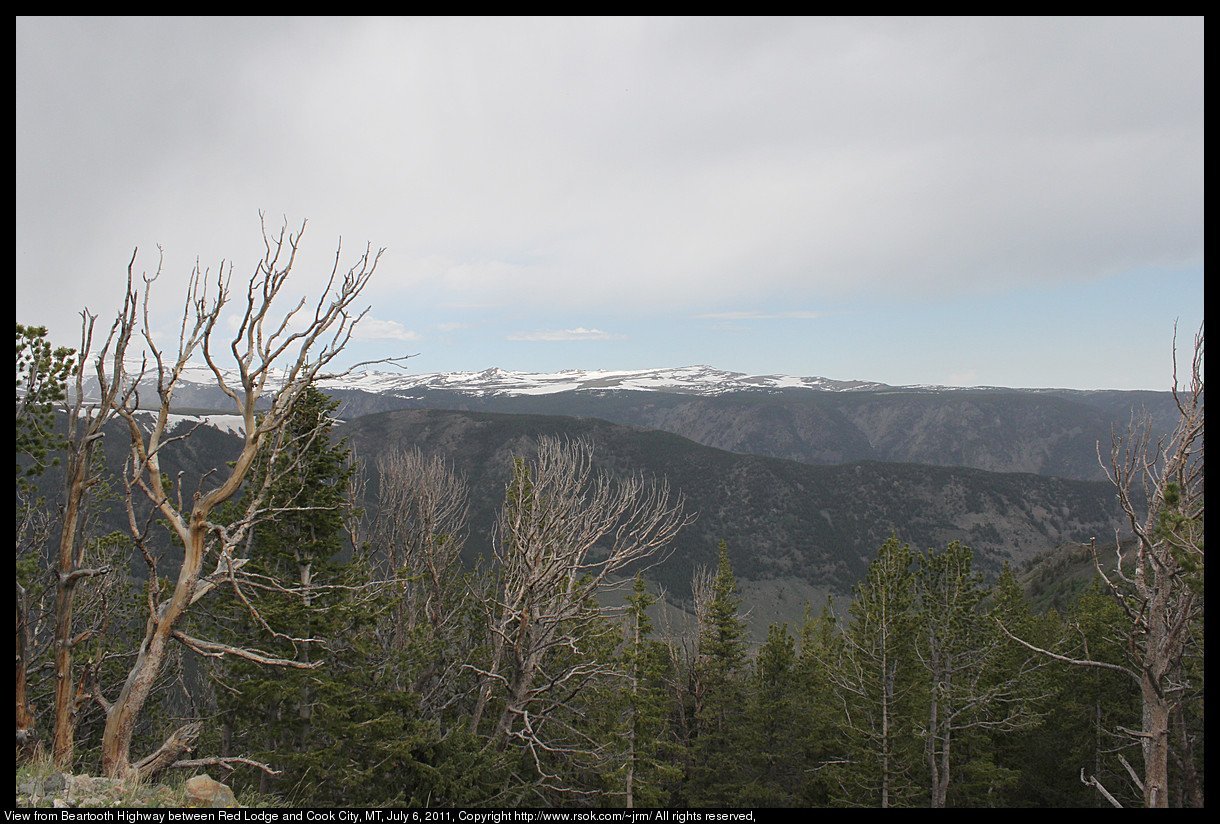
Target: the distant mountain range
pixel 1055 432
pixel 687 380
pixel 813 420
pixel 802 477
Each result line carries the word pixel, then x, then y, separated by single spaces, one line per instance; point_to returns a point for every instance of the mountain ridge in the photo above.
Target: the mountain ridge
pixel 813 420
pixel 780 518
pixel 700 379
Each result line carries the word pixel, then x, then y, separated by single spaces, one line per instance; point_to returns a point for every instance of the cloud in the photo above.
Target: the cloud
pixel 578 333
pixel 551 170
pixel 373 329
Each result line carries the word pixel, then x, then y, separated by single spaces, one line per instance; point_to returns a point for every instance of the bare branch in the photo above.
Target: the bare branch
pixel 227 762
pixel 276 356
pixel 1079 662
pixel 565 532
pixel 212 649
pixel 1091 781
pixel 181 741
pixel 1159 595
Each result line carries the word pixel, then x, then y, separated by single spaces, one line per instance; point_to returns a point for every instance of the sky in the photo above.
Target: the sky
pixel 959 201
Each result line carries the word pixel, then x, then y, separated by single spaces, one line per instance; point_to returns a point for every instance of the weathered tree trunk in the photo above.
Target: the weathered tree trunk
pixel 80 476
pixel 887 702
pixel 1192 787
pixel 305 711
pixel 25 718
pixel 257 350
pixel 122 714
pixel 1155 743
pixel 941 773
pixel 177 745
pixel 63 747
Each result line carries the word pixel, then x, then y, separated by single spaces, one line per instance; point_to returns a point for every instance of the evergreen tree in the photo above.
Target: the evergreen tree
pixel 650 759
pixel 714 778
pixel 992 761
pixel 1091 704
pixel 951 652
pixel 41 383
pixel 776 727
pixel 280 714
pixel 819 704
pixel 967 698
pixel 877 684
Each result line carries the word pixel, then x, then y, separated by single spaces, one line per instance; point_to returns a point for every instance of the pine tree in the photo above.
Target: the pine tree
pixel 776 727
pixel 279 714
pixel 1020 772
pixel 819 704
pixel 714 779
pixel 959 652
pixel 1092 704
pixel 989 761
pixel 877 684
pixel 41 384
pixel 650 757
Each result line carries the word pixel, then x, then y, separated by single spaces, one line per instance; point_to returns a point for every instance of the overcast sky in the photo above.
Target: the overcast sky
pixel 1012 202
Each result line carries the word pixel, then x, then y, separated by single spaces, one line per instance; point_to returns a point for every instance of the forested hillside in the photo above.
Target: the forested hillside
pixel 1052 432
pixel 447 608
pixel 1045 432
pixel 820 524
pixel 645 706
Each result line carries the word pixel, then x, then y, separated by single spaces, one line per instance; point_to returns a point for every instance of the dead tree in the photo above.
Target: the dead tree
pixel 1160 596
pixel 35 526
pixel 420 530
pixel 85 422
pixel 418 533
pixel 275 356
pixel 564 533
pixel 1159 582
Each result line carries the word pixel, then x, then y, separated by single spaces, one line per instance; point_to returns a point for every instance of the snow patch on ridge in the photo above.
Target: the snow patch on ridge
pixel 697 380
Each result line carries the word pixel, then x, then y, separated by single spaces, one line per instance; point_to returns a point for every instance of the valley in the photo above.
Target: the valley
pixel 802 478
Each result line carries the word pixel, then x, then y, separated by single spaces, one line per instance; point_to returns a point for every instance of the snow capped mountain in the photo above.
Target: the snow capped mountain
pixel 692 380
pixel 197 388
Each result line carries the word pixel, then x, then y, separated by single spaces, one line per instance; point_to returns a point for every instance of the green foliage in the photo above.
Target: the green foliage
pixel 878 680
pixel 838 715
pixel 776 727
pixel 1182 531
pixel 722 643
pixel 967 695
pixel 297 603
pixel 820 705
pixel 42 380
pixel 713 778
pixel 650 760
pixel 1083 708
